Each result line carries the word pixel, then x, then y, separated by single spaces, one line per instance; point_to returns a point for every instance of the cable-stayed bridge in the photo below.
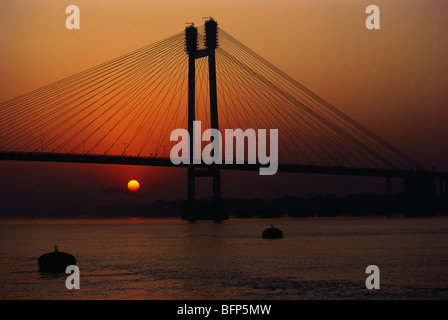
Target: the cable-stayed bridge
pixel 123 111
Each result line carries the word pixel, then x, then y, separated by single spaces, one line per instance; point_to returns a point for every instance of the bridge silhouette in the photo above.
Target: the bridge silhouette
pixel 123 111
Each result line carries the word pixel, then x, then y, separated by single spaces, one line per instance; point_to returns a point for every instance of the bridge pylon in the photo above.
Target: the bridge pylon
pixel 194 210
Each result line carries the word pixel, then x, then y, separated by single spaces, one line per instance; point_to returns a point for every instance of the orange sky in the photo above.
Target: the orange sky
pixel 392 80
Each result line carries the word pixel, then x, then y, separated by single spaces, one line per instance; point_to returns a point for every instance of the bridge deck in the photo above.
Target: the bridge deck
pixel 166 162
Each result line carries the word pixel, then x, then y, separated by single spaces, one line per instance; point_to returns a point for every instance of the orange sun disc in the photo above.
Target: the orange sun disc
pixel 133 185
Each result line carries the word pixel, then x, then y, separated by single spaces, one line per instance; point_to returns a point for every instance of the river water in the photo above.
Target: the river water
pixel 318 258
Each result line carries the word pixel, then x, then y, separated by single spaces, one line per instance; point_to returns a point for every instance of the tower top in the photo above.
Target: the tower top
pixel 191 38
pixel 211 33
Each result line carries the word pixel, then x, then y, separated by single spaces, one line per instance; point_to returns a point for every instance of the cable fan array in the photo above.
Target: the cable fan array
pixel 128 106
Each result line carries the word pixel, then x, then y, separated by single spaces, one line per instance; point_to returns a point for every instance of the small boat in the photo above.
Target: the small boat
pixel 272 233
pixel 55 261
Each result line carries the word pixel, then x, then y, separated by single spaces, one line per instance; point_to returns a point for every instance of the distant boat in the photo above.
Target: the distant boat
pixel 55 261
pixel 272 233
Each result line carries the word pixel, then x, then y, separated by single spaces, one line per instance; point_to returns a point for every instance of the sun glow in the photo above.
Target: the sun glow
pixel 133 185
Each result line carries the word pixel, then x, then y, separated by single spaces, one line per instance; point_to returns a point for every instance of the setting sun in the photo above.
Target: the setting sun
pixel 133 185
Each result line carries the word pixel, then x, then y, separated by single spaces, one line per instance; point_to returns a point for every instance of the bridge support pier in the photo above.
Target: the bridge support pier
pixel 194 210
pixel 388 187
pixel 419 190
pixel 443 186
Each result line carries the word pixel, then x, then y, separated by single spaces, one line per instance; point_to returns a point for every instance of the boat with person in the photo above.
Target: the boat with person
pixel 55 261
pixel 272 233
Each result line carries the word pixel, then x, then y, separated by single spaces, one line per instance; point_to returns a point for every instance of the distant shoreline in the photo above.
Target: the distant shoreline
pixel 319 206
pixel 233 218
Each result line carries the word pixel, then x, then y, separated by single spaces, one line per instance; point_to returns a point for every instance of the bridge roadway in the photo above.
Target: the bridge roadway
pixel 166 162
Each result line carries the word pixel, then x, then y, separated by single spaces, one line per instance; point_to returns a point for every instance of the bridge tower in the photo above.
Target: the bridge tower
pixel 194 210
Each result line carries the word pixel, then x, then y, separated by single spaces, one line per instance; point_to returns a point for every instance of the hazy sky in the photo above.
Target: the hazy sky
pixel 392 80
